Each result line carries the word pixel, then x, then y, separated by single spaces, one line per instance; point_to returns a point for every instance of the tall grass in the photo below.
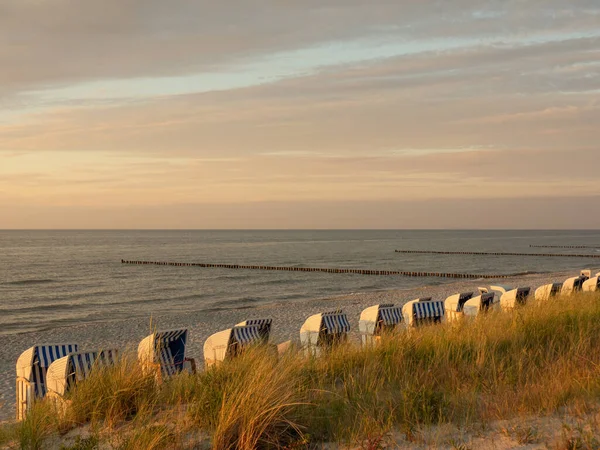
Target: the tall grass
pixel 533 360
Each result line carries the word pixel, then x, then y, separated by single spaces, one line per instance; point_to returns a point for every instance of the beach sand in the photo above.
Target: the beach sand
pixel 287 319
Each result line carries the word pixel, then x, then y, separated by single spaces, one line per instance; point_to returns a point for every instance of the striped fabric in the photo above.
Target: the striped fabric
pixel 335 323
pixel 428 309
pixel 44 355
pixel 247 335
pixel 264 326
pixel 487 301
pixel 390 315
pixel 80 365
pixel 169 350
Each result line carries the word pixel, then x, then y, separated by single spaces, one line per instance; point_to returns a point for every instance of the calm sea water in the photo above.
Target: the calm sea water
pixel 57 278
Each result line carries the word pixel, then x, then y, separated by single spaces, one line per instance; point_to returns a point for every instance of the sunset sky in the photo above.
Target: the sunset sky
pixel 305 114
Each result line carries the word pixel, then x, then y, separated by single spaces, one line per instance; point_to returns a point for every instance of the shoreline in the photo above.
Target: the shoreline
pixel 125 334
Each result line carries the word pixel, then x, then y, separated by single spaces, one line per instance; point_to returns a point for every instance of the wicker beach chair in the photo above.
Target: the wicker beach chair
pixel 231 342
pixel 323 331
pixel 377 320
pixel 547 291
pixel 423 311
pixel 591 285
pixel 64 373
pixel 32 367
pixel 454 305
pixel 165 352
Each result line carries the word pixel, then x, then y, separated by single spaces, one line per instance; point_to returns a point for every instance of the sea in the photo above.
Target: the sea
pixel 58 278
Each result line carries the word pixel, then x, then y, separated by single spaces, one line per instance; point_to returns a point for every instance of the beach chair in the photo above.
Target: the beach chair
pixel 480 304
pixel 573 284
pixel 591 285
pixel 323 331
pixel 164 352
pixel 229 343
pixel 264 326
pixel 377 320
pixel 463 305
pixel 515 297
pixel 423 311
pixel 454 305
pixel 547 291
pixel 64 373
pixel 32 367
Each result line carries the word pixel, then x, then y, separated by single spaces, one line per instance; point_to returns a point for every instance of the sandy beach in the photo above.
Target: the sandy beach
pixel 287 319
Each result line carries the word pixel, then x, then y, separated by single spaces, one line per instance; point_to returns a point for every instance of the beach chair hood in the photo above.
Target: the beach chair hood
pixel 264 326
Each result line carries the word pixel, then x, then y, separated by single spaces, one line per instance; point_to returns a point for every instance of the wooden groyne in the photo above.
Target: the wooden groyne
pixel 317 269
pixel 549 255
pixel 566 246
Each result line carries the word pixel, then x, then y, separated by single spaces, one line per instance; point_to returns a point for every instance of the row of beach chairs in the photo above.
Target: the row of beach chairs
pixel 53 370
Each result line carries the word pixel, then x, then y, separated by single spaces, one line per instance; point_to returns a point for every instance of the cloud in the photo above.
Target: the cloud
pixel 105 106
pixel 59 42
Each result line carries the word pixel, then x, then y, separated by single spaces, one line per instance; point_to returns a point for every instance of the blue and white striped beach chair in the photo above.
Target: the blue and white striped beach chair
pixel 322 331
pixel 64 373
pixel 423 311
pixel 165 351
pixel 229 343
pixel 32 367
pixel 378 319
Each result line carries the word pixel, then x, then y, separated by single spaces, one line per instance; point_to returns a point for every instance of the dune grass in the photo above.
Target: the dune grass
pixel 534 360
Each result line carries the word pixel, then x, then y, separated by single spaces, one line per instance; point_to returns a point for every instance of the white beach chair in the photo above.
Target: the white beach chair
pixel 454 305
pixel 64 373
pixel 323 331
pixel 231 342
pixel 165 352
pixel 547 291
pixel 478 305
pixel 463 305
pixel 423 311
pixel 515 297
pixel 32 367
pixel 573 284
pixel 377 320
pixel 591 285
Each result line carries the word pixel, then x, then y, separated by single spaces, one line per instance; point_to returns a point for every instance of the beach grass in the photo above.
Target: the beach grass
pixel 535 360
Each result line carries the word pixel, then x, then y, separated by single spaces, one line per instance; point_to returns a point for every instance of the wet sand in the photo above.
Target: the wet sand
pixel 287 319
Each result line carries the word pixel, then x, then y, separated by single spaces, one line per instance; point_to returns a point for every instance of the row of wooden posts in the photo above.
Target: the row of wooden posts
pixel 566 246
pixel 316 269
pixel 555 255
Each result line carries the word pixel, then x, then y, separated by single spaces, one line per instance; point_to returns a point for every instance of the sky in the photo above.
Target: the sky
pixel 313 114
